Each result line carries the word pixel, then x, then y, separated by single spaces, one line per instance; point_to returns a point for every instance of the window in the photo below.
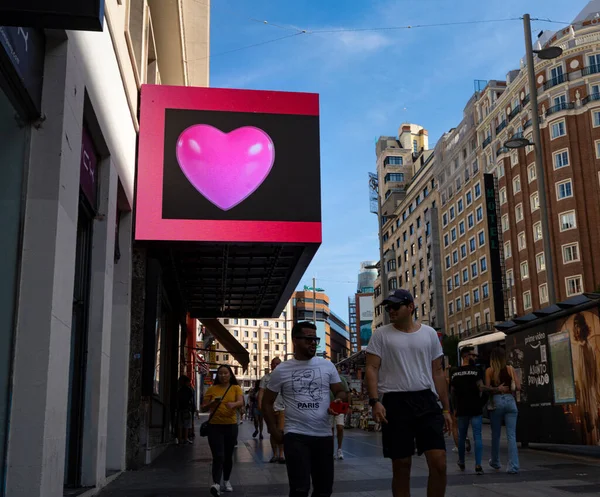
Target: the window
pixel 537 231
pixel 561 159
pixel 519 212
pixel 266 346
pixel 524 270
pixel 478 190
pixel 570 253
pixel 472 244
pixel 501 171
pixel 404 236
pixel 458 304
pixel 514 159
pixel 414 270
pixel 476 296
pixel 420 242
pixel 527 299
pixel 446 240
pixel 574 286
pixel 505 223
pixel 449 285
pixel 255 334
pixel 531 173
pixel 419 222
pixel 470 221
pixel 255 346
pixel 415 147
pixel 540 262
pixel 448 262
pixel 596 118
pixel 479 214
pixel 503 198
pixel 455 257
pixel 460 205
pixel 245 334
pixel 465 275
pixel 534 200
pixel 510 278
pixel 469 198
pixel 444 220
pixel 481 236
pixel 411 229
pixel 265 323
pixel 463 251
pixel 521 241
pixel 473 270
pixel 413 249
pixel 516 184
pixel 567 221
pixel 236 333
pixel 276 347
pixel 564 189
pixel 246 322
pixel 461 228
pixel 452 213
pixel 394 161
pixel 421 265
pixel 456 280
pixel 558 129
pixel 485 288
pixel 507 250
pixel 395 177
pixel 543 293
pixel 467 299
pixel 483 264
pixel 246 345
pixel 475 166
pixel 453 234
pixel 406 256
pixel 450 308
pixel 597 142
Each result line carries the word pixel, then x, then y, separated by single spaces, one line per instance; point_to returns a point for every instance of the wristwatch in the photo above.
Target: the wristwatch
pixel 373 401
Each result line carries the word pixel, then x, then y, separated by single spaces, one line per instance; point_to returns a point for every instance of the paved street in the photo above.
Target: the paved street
pixel 184 471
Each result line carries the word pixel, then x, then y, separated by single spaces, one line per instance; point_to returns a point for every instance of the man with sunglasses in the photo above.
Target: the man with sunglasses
pixel 404 365
pixel 304 383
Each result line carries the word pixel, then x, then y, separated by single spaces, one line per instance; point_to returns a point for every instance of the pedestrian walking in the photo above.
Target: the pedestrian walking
pixel 256 413
pixel 304 383
pixel 503 408
pixel 186 407
pixel 404 364
pixel 338 422
pixel 223 400
pixel 279 410
pixel 469 394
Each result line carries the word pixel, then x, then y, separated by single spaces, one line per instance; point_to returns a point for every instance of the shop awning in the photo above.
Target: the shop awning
pixel 225 338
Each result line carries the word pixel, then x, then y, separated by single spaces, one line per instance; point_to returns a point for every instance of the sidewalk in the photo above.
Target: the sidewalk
pixel 185 471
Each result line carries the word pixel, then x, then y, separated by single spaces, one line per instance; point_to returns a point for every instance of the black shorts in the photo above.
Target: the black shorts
pixel 412 417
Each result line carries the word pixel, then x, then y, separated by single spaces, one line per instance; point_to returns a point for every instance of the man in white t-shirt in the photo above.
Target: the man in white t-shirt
pixel 304 383
pixel 404 364
pixel 279 408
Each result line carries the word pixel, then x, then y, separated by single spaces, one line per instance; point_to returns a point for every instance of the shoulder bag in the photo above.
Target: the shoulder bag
pixel 204 426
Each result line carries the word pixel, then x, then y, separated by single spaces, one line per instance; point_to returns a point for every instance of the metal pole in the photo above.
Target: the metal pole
pixel 382 268
pixel 315 301
pixel 539 162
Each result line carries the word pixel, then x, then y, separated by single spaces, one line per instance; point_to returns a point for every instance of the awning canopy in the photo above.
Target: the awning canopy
pixel 235 348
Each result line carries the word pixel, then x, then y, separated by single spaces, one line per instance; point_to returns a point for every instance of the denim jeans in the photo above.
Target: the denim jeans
pixel 307 458
pixel 463 429
pixel 506 410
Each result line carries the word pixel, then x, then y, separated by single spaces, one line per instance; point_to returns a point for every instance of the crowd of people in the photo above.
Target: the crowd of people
pixel 414 399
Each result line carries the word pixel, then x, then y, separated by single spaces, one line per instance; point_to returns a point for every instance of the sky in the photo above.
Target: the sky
pixel 370 82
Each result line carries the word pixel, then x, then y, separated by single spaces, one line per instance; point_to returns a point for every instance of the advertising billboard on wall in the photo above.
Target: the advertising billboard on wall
pixel 85 15
pixel 228 165
pixel 365 311
pixel 559 367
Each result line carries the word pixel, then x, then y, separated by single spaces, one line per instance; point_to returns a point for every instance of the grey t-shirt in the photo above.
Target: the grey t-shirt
pixel 304 387
pixel 406 358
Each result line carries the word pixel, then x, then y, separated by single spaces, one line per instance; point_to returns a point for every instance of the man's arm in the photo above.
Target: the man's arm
pixel 492 390
pixel 439 380
pixel 372 375
pixel 339 392
pixel 268 400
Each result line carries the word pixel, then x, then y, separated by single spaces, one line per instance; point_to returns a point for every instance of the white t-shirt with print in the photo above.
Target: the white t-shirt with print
pixel 264 383
pixel 406 358
pixel 304 387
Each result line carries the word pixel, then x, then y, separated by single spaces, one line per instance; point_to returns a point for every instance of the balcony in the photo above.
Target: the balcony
pixel 558 107
pixel 559 80
pixel 517 135
pixel 594 97
pixel 526 100
pixel 486 142
pixel 500 127
pixel 514 113
pixel 595 69
pixel 501 150
pixel 527 124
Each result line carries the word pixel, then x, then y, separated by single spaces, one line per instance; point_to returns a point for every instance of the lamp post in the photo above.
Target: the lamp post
pixel 546 54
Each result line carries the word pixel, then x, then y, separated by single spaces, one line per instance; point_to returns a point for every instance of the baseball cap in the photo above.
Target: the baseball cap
pixel 399 296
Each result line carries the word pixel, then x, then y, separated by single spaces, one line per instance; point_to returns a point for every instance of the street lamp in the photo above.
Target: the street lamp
pixel 545 54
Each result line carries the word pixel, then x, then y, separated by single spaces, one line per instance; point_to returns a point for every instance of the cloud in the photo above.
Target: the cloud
pixel 356 41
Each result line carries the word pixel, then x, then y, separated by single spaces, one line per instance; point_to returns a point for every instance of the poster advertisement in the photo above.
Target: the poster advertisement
pixel 365 311
pixel 562 368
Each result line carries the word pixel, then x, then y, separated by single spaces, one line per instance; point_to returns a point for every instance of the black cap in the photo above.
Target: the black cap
pixel 399 296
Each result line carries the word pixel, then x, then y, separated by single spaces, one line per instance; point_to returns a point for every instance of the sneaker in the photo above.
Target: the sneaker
pixel 254 434
pixel 215 490
pixel 461 465
pixel 227 486
pixel 478 470
pixel 493 466
pixel 274 459
pixel 340 455
pixel 455 449
pixel 468 445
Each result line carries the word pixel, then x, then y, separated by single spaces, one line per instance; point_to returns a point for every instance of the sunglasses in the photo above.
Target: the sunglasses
pixel 317 340
pixel 394 307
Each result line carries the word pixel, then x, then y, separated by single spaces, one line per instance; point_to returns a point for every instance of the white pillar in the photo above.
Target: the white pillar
pixel 36 449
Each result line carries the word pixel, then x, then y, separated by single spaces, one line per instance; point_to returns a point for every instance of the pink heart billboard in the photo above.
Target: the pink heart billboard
pixel 226 168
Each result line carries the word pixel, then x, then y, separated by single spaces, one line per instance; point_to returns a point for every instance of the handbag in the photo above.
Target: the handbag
pixel 204 426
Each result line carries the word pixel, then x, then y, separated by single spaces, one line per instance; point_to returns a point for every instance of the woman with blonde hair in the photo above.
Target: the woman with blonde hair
pixel 503 408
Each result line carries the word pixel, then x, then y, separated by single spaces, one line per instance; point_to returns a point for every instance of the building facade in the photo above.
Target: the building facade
pixel 69 160
pixel 409 225
pixel 367 276
pixel 466 259
pixel 569 108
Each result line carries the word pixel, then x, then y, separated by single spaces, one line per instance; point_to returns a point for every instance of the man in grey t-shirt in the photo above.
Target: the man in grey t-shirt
pixel 404 365
pixel 304 383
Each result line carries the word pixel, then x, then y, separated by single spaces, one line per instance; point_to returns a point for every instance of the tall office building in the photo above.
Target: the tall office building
pixel 365 287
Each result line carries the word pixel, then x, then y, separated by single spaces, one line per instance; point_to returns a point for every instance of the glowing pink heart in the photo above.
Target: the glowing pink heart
pixel 225 167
